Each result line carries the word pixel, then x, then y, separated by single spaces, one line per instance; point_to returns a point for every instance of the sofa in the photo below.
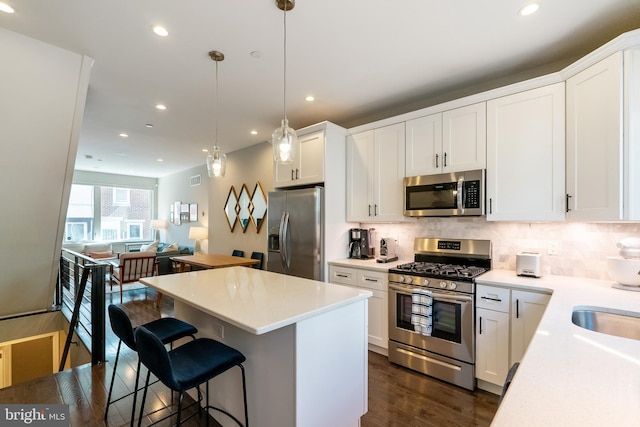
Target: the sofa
pixel 164 253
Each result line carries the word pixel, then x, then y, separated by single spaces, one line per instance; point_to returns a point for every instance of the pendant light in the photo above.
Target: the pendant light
pixel 216 159
pixel 284 139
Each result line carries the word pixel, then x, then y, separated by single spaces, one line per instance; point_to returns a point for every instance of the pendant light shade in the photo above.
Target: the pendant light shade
pixel 284 139
pixel 216 163
pixel 216 159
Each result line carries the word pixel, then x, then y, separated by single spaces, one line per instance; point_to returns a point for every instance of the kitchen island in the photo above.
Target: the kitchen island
pixel 305 342
pixel 569 375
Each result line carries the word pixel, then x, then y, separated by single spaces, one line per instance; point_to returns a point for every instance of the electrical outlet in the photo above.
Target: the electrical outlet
pixel 218 330
pixel 552 247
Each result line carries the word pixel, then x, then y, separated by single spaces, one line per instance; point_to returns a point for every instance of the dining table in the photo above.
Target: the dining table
pixel 209 261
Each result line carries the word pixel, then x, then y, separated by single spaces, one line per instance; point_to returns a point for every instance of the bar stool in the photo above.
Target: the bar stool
pixel 166 329
pixel 187 367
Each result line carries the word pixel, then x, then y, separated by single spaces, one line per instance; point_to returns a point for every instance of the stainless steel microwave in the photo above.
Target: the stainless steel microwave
pixel 447 194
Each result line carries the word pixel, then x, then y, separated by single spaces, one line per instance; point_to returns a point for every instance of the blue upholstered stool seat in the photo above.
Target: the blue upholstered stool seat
pixel 188 366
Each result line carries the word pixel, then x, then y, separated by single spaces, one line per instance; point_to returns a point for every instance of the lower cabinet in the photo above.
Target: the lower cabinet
pixel 376 282
pixel 506 320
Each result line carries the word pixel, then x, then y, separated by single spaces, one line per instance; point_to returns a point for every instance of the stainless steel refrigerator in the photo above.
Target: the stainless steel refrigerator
pixel 295 237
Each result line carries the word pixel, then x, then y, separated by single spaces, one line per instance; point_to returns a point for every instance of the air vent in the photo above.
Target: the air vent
pixel 195 180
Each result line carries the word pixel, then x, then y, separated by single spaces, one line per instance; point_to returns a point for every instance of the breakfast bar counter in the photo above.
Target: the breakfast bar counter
pixel 569 375
pixel 305 342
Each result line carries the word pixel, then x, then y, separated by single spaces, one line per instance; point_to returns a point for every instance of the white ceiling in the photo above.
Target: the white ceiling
pixel 363 60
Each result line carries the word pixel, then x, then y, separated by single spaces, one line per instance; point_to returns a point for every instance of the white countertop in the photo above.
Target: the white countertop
pixel 255 300
pixel 368 264
pixel 569 375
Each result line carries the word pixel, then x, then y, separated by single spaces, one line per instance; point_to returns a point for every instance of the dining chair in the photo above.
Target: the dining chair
pixel 131 267
pixel 260 257
pixel 166 329
pixel 186 367
pixel 237 252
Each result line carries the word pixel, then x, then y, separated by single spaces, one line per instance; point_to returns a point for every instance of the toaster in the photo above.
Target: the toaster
pixel 528 264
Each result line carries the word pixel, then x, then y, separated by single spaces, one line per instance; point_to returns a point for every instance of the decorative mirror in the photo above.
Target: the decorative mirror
pixel 230 208
pixel 259 202
pixel 244 203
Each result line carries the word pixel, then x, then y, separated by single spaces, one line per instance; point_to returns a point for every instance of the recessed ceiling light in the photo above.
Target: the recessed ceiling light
pixel 254 132
pixel 160 160
pixel 161 107
pixel 529 9
pixel 6 8
pixel 309 98
pixel 148 125
pixel 124 135
pixel 256 54
pixel 205 150
pixel 160 31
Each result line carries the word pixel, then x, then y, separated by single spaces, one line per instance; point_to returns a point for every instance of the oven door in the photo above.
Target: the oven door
pixel 452 333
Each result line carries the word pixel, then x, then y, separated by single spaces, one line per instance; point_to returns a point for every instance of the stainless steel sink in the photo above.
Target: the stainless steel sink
pixel 623 324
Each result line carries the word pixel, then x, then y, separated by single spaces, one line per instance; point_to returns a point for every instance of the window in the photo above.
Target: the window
pixel 109 213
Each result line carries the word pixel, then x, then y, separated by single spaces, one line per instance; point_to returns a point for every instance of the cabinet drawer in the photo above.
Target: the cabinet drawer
pixel 375 280
pixel 342 275
pixel 492 298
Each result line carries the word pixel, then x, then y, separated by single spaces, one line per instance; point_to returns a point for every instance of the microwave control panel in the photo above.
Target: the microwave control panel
pixel 472 194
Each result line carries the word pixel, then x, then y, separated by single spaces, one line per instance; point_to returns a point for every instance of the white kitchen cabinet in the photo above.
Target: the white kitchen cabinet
pixel 316 144
pixel 451 141
pixel 527 309
pixel 376 282
pixel 526 156
pixel 492 334
pixel 492 345
pixel 603 150
pixel 375 173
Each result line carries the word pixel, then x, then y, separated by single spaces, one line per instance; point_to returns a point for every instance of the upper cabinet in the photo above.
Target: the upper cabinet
pixel 602 145
pixel 308 166
pixel 375 173
pixel 451 141
pixel 525 156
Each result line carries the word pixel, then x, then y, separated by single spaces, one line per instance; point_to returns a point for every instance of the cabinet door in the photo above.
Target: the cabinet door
pixel 527 309
pixel 343 275
pixel 492 346
pixel 360 160
pixel 389 173
pixel 284 173
pixel 525 156
pixel 311 159
pixel 594 141
pixel 423 145
pixel 464 138
pixel 379 319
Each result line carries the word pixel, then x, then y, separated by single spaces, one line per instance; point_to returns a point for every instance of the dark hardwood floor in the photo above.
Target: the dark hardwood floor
pixel 397 396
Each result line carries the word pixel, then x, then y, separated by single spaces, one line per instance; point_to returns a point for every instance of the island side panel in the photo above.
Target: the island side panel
pixel 331 367
pixel 270 369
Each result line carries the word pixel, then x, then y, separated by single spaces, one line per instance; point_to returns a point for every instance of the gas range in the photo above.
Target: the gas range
pixel 447 264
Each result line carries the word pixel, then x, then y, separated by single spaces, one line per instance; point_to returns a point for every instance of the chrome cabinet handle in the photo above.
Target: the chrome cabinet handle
pixel 436 160
pixel 517 309
pixel 444 164
pixel 297 173
pixel 369 210
pixel 292 178
pixel 492 299
pixel 480 324
pixel 342 275
pixel 375 210
pixel 567 202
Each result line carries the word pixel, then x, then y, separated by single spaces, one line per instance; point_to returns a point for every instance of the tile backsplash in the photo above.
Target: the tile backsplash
pixel 582 247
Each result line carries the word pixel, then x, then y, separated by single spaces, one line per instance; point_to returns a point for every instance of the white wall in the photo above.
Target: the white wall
pixel 582 247
pixel 42 96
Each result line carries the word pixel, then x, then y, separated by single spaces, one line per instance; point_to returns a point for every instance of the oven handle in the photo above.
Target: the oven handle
pixel 436 295
pixel 460 194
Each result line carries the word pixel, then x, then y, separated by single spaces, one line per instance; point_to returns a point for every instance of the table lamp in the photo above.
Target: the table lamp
pixel 198 233
pixel 158 224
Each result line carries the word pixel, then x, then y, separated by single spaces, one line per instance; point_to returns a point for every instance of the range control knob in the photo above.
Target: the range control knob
pixel 453 285
pixel 425 282
pixel 409 279
pixel 401 279
pixel 443 285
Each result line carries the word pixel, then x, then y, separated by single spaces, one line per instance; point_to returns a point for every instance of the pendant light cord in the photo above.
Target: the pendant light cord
pixel 217 110
pixel 284 100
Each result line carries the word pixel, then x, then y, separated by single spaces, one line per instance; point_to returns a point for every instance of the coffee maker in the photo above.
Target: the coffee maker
pixel 361 243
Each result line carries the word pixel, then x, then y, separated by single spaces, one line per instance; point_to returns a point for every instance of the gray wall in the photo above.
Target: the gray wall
pixel 177 188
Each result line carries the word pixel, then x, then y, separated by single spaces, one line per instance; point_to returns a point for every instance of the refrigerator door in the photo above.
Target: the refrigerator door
pixel 299 249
